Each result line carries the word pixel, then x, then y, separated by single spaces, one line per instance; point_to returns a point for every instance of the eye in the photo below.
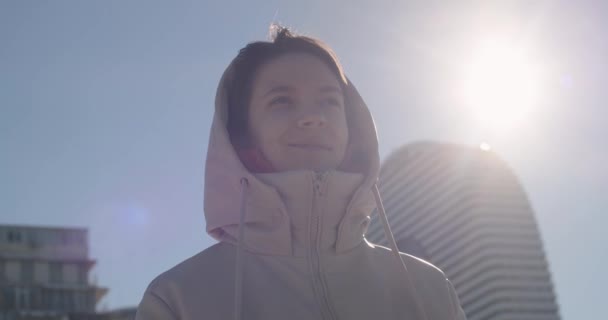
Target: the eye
pixel 280 101
pixel 332 102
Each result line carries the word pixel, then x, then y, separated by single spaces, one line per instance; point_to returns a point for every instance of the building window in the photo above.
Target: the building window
pixel 90 300
pixel 27 271
pixel 12 271
pixel 45 299
pixel 8 298
pixel 78 303
pixel 33 240
pixel 55 272
pixel 3 299
pixel 22 298
pixel 65 238
pixel 82 274
pixel 55 299
pixel 14 236
pixel 35 298
pixel 41 272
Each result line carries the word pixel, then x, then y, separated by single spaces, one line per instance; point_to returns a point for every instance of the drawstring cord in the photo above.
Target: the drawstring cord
pixel 238 279
pixel 391 240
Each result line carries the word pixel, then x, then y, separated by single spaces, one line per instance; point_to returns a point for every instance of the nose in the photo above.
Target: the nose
pixel 312 120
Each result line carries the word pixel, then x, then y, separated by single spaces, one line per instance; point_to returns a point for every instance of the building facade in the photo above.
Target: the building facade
pixel 463 210
pixel 44 273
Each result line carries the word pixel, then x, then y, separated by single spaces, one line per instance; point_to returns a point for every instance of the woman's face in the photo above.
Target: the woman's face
pixel 297 117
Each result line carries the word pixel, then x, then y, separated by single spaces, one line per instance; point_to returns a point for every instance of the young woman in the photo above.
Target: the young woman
pixel 289 188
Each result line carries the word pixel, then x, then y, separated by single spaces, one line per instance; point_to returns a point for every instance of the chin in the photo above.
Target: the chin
pixel 302 162
pixel 319 166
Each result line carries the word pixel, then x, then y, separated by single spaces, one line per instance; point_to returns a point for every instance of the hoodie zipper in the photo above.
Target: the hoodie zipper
pixel 318 182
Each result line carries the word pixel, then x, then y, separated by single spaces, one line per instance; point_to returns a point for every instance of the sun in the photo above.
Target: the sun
pixel 501 86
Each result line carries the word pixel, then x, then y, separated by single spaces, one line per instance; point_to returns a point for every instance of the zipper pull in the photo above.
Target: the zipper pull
pixel 318 180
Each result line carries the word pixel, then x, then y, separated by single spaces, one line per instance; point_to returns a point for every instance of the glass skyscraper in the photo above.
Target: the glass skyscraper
pixel 464 210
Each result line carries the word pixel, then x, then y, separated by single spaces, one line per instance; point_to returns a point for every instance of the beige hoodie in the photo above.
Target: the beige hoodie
pixel 291 244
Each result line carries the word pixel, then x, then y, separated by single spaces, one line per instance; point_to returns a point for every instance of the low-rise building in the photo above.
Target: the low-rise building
pixel 44 273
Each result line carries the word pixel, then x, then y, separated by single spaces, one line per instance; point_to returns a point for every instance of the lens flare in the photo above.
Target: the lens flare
pixel 501 86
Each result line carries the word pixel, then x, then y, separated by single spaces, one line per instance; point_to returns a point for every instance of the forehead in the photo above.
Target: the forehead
pixel 294 70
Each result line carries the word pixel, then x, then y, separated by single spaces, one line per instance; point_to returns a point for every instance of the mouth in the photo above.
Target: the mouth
pixel 310 146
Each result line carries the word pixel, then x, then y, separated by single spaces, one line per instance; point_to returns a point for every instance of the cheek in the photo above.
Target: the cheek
pixel 267 132
pixel 342 130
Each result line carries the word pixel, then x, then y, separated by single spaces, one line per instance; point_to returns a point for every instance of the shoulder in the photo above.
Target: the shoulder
pixel 430 283
pixel 191 287
pixel 437 294
pixel 207 268
pixel 417 267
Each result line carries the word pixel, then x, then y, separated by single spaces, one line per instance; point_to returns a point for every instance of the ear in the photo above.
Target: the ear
pixel 253 159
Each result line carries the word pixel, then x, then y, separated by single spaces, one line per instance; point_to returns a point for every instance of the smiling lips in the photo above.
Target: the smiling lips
pixel 311 146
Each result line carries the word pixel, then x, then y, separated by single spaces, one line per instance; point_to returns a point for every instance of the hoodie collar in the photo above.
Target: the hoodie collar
pixel 330 195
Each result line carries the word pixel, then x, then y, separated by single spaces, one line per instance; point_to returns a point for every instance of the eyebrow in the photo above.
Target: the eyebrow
pixel 283 88
pixel 326 89
pixel 277 89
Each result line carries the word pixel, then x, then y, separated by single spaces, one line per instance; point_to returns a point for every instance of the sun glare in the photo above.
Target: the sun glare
pixel 501 86
pixel 485 146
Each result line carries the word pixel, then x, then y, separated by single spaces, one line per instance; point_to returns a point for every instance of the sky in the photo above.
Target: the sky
pixel 105 110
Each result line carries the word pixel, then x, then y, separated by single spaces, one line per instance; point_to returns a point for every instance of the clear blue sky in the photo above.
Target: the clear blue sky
pixel 106 107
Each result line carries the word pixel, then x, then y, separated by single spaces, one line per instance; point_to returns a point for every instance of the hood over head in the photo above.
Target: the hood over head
pixel 224 172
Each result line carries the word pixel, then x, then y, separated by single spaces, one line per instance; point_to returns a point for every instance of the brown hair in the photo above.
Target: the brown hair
pixel 251 58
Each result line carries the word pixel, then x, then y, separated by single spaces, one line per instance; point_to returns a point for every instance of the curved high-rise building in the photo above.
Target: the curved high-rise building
pixel 464 210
